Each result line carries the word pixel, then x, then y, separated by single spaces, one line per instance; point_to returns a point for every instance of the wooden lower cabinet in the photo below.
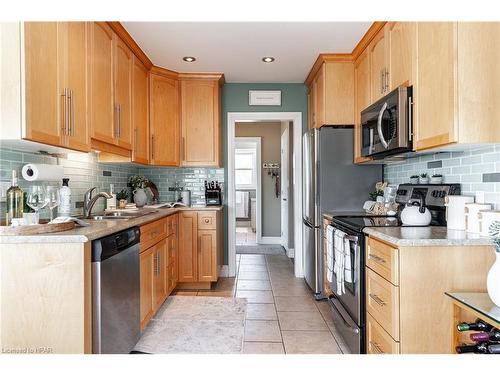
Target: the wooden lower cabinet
pixel 199 249
pixel 146 290
pixel 407 309
pixel 160 273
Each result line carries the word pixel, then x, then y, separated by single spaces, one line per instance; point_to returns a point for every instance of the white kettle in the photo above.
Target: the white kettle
pixel 416 213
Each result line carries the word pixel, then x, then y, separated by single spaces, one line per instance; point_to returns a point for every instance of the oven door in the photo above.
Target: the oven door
pixel 352 298
pixel 385 124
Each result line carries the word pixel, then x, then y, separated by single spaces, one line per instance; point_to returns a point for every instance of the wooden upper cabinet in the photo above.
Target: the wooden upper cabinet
pixel 401 53
pixel 361 99
pixel 188 246
pixel 45 116
pixel 436 99
pixel 319 98
pixel 207 255
pixel 140 112
pixel 56 71
pixel 200 123
pixel 102 83
pixel 164 123
pixel 123 93
pixel 378 66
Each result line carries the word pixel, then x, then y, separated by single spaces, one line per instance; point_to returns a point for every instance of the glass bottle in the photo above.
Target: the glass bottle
pixel 14 200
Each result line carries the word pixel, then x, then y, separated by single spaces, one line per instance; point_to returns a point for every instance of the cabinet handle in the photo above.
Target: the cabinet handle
pixel 377 348
pixel 381 79
pixel 207 221
pixel 115 129
pixel 410 120
pixel 386 79
pixel 377 299
pixel 153 147
pixel 135 140
pixel 66 110
pixel 119 120
pixel 71 130
pixel 183 151
pixel 376 258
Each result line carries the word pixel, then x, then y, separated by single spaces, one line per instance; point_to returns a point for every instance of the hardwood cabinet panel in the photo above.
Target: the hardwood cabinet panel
pixel 123 93
pixel 44 100
pixel 338 93
pixel 188 246
pixel 378 70
pixel 102 87
pixel 146 289
pixel 362 96
pixel 378 341
pixel 160 256
pixel 140 112
pixel 319 95
pixel 76 76
pixel 200 123
pixel 436 99
pixel 164 126
pixel 383 259
pixel 401 48
pixel 207 255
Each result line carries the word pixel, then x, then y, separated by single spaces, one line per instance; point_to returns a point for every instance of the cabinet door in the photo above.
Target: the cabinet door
pixel 338 103
pixel 200 123
pixel 164 120
pixel 45 116
pixel 140 112
pixel 361 99
pixel 102 117
pixel 207 255
pixel 123 93
pixel 188 247
pixel 402 46
pixel 146 276
pixel 378 70
pixel 319 94
pixel 436 101
pixel 160 274
pixel 75 39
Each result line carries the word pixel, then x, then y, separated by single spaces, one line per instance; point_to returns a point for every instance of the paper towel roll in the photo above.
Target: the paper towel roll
pixel 42 172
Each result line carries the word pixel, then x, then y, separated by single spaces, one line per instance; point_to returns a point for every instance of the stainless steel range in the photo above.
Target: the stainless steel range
pixel 348 306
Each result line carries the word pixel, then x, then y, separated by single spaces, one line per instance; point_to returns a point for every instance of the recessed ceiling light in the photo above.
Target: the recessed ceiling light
pixel 189 59
pixel 268 59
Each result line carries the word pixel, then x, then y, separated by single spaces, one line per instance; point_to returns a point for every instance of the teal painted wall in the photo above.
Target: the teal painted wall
pixel 235 99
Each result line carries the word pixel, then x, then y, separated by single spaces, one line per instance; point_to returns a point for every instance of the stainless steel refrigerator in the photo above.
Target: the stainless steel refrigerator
pixel 332 183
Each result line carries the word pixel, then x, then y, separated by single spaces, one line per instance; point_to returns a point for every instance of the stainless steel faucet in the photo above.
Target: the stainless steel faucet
pixel 89 201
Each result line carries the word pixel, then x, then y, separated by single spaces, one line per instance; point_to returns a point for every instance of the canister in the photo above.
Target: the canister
pixel 455 210
pixel 471 212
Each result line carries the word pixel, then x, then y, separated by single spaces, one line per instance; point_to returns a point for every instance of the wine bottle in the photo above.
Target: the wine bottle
pixel 494 349
pixel 478 348
pixel 478 325
pixel 14 200
pixel 494 335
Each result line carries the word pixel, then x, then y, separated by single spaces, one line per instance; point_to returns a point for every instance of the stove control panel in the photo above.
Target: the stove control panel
pixel 434 193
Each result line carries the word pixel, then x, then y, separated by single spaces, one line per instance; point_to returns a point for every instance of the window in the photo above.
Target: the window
pixel 246 169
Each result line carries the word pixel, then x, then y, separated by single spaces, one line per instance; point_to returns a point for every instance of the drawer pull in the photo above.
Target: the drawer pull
pixel 207 221
pixel 377 299
pixel 376 258
pixel 377 348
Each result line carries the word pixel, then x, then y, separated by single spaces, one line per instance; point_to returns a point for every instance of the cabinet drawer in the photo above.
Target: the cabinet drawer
pixel 207 220
pixel 379 341
pixel 153 232
pixel 382 301
pixel 383 259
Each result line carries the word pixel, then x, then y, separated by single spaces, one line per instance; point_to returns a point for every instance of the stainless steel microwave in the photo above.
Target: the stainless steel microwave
pixel 386 125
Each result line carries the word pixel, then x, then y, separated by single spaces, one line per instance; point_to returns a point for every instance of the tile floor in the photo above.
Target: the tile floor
pixel 282 316
pixel 245 236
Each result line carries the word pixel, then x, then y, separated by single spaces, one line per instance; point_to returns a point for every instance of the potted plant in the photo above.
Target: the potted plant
pixel 423 179
pixel 139 195
pixel 436 179
pixel 414 179
pixel 493 280
pixel 374 194
pixel 122 196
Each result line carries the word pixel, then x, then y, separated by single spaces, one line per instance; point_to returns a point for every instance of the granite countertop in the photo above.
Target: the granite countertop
pixel 427 236
pixel 102 228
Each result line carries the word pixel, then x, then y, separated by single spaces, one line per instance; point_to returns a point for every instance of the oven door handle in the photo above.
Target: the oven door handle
pixel 353 327
pixel 379 126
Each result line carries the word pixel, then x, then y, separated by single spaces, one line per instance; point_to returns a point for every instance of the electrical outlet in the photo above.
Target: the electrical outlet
pixel 4 186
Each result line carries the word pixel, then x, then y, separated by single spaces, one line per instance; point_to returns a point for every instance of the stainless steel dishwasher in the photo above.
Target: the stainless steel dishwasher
pixel 115 292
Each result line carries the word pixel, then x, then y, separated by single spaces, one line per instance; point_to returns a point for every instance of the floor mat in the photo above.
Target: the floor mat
pixel 184 324
pixel 261 249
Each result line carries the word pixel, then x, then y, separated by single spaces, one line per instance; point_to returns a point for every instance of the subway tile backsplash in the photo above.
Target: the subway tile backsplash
pixel 476 170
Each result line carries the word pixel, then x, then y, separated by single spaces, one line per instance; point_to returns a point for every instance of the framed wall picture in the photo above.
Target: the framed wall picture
pixel 264 97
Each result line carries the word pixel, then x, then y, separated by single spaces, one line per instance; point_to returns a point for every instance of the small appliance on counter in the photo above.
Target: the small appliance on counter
pixel 185 197
pixel 213 193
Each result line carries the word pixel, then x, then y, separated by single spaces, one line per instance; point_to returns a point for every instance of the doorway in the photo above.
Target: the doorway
pixel 261 212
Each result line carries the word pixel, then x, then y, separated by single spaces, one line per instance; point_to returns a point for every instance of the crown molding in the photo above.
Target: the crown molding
pixel 130 42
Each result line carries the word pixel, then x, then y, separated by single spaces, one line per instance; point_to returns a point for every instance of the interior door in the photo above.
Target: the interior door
pixel 285 140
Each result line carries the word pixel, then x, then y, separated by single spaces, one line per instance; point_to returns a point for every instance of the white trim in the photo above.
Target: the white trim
pixel 258 193
pixel 296 118
pixel 290 253
pixel 270 240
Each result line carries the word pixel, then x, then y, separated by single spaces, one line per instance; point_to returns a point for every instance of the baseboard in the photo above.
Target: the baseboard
pixel 224 271
pixel 290 253
pixel 269 241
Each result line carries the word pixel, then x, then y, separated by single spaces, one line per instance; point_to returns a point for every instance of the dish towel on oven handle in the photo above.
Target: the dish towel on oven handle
pixel 348 274
pixel 329 253
pixel 338 269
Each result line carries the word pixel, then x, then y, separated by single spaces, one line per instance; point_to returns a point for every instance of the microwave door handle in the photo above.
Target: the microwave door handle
pixel 379 126
pixel 371 141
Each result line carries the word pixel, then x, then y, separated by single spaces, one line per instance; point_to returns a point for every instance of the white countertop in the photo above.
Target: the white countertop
pixel 101 228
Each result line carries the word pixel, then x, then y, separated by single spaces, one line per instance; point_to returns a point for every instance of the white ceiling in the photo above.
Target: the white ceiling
pixel 236 49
